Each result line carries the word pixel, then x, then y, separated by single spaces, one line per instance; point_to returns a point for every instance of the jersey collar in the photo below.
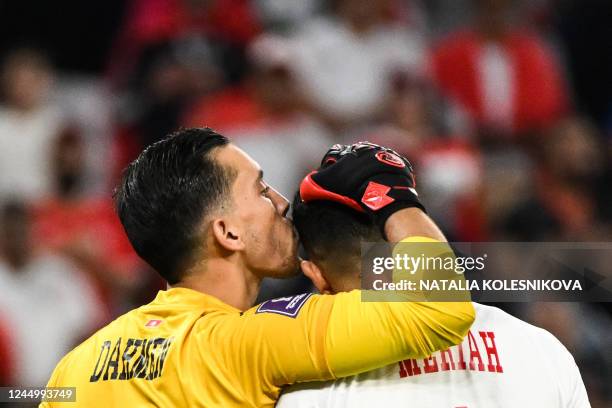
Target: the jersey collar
pixel 190 298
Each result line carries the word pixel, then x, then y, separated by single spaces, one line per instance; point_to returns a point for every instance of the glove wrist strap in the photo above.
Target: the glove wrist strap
pixel 381 216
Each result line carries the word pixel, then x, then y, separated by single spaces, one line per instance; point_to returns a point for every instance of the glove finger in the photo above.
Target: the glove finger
pixel 392 157
pixel 333 154
pixel 364 146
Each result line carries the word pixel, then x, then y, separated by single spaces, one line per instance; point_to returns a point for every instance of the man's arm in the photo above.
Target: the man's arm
pixel 411 222
pixel 318 337
pixel 333 336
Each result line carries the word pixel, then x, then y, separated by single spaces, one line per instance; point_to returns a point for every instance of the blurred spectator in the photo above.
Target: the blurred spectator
pixel 343 62
pixel 48 304
pixel 168 53
pixel 149 23
pixel 28 124
pixel 265 117
pixel 89 109
pixel 500 73
pixel 566 202
pixel 84 228
pixel 414 115
pixel 450 180
pixel 170 76
pixel 445 16
pixel 508 179
pixel 282 15
pixel 449 167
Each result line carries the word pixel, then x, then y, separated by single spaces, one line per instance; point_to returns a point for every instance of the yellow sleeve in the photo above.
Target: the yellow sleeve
pixel 339 335
pixel 318 337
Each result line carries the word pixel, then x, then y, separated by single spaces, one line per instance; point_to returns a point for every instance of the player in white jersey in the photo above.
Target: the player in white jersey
pixel 503 362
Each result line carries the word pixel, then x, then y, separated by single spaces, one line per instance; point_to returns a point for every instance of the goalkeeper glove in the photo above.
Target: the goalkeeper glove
pixel 366 177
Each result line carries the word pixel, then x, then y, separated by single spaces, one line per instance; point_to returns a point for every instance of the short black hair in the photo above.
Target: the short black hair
pixel 332 233
pixel 166 193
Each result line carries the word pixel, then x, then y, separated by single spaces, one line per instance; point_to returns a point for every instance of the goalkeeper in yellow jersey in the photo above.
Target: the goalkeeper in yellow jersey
pixel 198 210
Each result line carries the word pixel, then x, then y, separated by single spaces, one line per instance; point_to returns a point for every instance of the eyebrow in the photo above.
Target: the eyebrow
pixel 260 176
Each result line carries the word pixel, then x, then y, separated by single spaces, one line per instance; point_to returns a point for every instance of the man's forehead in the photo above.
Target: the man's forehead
pixel 238 159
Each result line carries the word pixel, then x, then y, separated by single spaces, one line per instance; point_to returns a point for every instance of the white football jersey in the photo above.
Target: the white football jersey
pixel 503 362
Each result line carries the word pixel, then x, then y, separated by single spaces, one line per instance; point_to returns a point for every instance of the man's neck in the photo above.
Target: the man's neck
pixel 228 282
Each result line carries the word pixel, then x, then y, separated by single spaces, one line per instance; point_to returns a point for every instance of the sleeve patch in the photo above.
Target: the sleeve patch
pixel 286 306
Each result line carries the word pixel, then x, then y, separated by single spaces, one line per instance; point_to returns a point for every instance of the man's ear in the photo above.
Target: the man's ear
pixel 227 235
pixel 313 272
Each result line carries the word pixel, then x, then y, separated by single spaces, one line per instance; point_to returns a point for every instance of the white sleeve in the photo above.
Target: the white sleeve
pixel 575 395
pixel 571 388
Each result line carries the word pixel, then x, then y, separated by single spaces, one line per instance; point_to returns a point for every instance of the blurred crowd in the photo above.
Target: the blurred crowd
pixel 503 106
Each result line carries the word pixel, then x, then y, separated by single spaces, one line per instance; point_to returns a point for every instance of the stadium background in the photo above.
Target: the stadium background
pixel 505 107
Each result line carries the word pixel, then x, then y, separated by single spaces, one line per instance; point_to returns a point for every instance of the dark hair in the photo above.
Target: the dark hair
pixel 166 193
pixel 332 233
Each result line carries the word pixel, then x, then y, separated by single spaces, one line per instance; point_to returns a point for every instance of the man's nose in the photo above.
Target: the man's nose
pixel 280 202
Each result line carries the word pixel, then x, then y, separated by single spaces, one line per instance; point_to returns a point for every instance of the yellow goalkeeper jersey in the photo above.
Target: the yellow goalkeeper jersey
pixel 189 349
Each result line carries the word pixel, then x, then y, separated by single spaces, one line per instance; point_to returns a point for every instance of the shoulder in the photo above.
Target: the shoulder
pixel 292 306
pixel 67 365
pixel 287 306
pixel 487 313
pixel 114 329
pixel 538 338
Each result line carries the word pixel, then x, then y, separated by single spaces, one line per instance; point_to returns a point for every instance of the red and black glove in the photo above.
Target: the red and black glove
pixel 366 177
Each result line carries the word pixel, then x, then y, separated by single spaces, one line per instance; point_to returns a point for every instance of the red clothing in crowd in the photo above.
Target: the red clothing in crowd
pixel 228 109
pixel 5 357
pixel 538 93
pixel 150 22
pixel 59 223
pixel 93 227
pixel 463 158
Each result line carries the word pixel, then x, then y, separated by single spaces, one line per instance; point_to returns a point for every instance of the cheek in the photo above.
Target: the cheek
pixel 275 241
pixel 256 210
pixel 260 221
